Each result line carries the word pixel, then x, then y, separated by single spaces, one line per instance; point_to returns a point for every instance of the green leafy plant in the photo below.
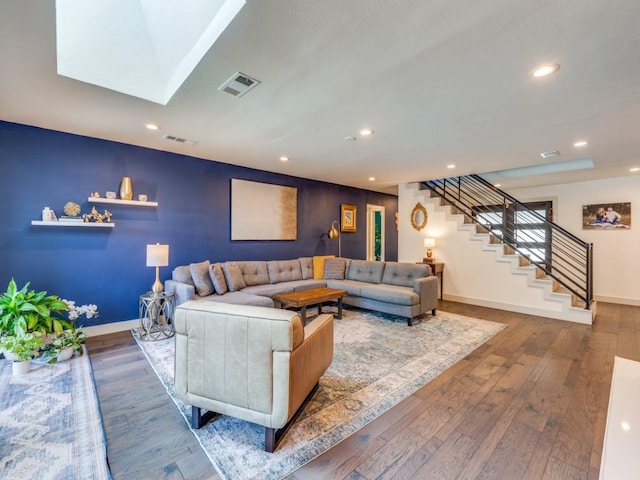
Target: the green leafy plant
pixel 23 346
pixel 23 311
pixel 72 338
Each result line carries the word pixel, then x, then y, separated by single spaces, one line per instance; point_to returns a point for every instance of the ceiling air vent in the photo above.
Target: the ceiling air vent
pixel 553 153
pixel 180 140
pixel 238 84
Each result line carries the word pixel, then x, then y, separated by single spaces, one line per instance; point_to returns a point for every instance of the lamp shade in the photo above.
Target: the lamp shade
pixel 157 255
pixel 429 242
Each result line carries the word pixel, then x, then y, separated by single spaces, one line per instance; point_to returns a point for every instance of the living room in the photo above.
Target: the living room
pixel 59 143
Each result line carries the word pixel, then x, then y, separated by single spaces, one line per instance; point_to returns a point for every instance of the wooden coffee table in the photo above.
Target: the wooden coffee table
pixel 314 296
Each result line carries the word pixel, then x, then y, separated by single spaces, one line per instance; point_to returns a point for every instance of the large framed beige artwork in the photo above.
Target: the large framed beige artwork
pixel 263 211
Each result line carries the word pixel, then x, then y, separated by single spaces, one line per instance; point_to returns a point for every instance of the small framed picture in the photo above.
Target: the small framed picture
pixel 347 217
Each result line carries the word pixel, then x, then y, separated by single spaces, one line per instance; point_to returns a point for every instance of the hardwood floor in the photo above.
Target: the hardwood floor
pixel 529 404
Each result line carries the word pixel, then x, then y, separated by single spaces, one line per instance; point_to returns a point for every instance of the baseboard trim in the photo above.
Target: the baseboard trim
pixel 113 327
pixel 556 315
pixel 619 300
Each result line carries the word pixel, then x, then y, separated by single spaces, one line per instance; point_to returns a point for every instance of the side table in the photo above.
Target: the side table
pixel 156 313
pixel 437 268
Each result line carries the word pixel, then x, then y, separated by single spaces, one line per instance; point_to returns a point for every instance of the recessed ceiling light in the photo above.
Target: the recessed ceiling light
pixel 372 179
pixel 580 143
pixel 634 169
pixel 152 126
pixel 625 426
pixel 450 166
pixel 545 70
pixel 366 132
pixel 284 159
pixel 498 185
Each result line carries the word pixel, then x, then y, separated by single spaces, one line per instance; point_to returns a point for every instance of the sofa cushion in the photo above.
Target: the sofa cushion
pixel 390 294
pixel 318 266
pixel 284 270
pixel 404 274
pixel 201 278
pixel 183 274
pixel 334 268
pixel 306 267
pixel 239 298
pixel 352 287
pixel 365 271
pixel 254 273
pixel 217 278
pixel 233 276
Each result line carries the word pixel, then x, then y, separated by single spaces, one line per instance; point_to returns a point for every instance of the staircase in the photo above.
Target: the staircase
pixel 551 258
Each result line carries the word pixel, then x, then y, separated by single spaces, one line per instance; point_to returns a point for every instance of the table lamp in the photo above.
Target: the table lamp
pixel 429 243
pixel 157 256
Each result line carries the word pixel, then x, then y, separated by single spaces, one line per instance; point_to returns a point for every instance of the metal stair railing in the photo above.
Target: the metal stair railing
pixel 561 255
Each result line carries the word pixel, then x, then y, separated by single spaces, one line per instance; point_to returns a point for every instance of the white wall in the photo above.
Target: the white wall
pixel 473 274
pixel 616 274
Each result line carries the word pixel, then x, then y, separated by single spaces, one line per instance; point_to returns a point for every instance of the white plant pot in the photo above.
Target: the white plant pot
pixel 65 354
pixel 10 356
pixel 20 368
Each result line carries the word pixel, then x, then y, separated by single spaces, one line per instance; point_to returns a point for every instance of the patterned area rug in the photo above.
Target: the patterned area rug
pixel 50 423
pixel 378 361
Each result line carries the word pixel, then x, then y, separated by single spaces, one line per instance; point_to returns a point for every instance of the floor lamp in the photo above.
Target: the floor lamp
pixel 334 233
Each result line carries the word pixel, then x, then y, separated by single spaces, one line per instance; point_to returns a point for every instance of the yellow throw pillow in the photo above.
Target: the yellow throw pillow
pixel 318 266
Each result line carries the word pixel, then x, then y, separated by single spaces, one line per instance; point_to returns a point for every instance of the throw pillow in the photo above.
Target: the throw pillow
pixel 233 276
pixel 334 268
pixel 200 275
pixel 183 274
pixel 318 266
pixel 217 278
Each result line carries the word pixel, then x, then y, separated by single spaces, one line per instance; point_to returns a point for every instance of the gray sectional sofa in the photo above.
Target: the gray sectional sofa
pixel 404 289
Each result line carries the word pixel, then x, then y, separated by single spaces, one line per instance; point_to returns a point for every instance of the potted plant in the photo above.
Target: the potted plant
pixel 23 347
pixel 23 310
pixel 64 345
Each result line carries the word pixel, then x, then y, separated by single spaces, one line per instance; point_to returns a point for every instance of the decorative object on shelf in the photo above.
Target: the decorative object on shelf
pixel 348 217
pixel 157 256
pixel 95 195
pixel 111 195
pixel 126 189
pixel 429 243
pixel 333 233
pixel 94 216
pixel 419 217
pixel 48 215
pixel 142 197
pixel 71 209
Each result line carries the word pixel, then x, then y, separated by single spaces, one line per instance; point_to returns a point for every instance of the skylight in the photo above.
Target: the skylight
pixel 143 48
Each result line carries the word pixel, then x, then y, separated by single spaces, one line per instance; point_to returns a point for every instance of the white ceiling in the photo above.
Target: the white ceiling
pixel 440 82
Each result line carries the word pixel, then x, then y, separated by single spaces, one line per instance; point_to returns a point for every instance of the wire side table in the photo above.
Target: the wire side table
pixel 156 316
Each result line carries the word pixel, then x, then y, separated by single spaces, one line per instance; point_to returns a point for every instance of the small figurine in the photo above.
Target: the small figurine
pixel 95 195
pixel 94 216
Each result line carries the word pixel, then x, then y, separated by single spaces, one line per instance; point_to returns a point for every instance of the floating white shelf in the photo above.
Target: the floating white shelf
pixel 116 201
pixel 71 224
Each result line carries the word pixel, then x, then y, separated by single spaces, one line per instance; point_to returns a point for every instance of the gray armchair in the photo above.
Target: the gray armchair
pixel 257 364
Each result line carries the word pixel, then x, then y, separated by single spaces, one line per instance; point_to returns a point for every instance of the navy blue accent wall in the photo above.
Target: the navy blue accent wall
pixel 106 266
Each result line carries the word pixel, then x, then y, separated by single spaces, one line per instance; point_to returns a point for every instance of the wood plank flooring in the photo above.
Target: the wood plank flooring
pixel 529 404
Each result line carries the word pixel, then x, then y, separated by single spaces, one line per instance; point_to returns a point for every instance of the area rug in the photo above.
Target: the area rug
pixel 50 423
pixel 378 361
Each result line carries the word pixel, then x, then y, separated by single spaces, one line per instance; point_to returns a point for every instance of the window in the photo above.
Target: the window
pixel 524 225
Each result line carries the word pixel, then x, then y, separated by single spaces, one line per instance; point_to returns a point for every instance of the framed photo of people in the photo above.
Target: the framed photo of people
pixel 606 216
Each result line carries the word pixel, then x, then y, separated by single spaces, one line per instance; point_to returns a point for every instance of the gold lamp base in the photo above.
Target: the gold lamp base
pixel 157 285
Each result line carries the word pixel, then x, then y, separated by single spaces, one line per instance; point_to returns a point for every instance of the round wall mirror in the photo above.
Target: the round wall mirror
pixel 419 217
